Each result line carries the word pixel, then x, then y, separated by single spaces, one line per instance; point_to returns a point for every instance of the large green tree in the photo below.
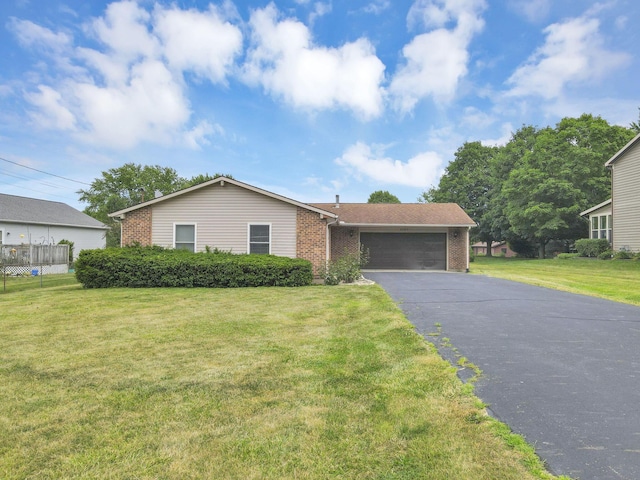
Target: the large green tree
pixel 124 186
pixel 560 176
pixel 383 196
pixel 468 182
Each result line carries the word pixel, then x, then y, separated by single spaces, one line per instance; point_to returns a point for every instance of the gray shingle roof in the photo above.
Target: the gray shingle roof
pixel 32 210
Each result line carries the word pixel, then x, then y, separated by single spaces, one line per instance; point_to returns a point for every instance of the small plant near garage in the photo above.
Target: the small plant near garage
pixel 347 268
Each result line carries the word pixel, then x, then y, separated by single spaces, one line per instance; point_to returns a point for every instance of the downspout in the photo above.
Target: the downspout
pixel 467 247
pixel 328 242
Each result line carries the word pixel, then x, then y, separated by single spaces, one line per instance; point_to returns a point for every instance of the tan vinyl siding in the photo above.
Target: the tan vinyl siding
pixel 626 200
pixel 222 215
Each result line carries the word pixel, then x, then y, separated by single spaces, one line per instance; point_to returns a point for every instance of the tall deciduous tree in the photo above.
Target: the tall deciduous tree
pixel 560 176
pixel 468 182
pixel 383 196
pixel 122 187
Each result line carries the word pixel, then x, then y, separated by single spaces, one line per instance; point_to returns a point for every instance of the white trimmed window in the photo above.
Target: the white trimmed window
pixel 184 236
pixel 601 226
pixel 259 238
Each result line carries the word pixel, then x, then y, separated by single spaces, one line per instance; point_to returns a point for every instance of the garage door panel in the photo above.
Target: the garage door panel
pixel 405 251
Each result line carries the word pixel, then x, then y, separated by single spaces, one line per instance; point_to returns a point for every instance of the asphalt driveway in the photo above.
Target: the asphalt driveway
pixel 563 370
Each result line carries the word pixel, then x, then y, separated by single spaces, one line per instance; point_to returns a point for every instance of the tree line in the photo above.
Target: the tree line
pixel 530 191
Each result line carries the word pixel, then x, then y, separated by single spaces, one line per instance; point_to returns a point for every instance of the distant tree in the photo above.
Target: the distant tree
pixel 128 185
pixel 468 182
pixel 383 196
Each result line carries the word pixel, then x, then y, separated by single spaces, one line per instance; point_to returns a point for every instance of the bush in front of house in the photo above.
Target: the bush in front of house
pixel 346 269
pixel 592 247
pixel 567 256
pixel 145 267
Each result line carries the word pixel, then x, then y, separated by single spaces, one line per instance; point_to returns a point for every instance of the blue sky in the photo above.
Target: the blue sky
pixel 304 98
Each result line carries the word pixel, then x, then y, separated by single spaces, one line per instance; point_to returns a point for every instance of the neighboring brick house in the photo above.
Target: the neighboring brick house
pixel 230 215
pixel 498 249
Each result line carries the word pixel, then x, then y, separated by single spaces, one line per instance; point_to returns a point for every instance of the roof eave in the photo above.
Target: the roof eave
pixel 421 225
pixel 52 224
pixel 620 152
pixel 597 207
pixel 121 213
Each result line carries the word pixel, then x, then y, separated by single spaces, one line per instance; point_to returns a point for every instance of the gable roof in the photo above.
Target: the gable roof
pixel 620 152
pixel 405 214
pixel 15 209
pixel 593 209
pixel 222 180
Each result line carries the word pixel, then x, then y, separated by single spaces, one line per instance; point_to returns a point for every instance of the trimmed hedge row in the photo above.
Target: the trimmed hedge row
pixel 144 267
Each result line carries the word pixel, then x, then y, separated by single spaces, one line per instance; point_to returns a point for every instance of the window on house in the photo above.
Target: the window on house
pixel 594 227
pixel 610 227
pixel 185 237
pixel 260 238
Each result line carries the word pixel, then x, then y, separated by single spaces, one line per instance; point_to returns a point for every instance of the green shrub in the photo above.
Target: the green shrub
pixel 592 247
pixel 567 256
pixel 622 255
pixel 158 267
pixel 346 269
pixel 606 255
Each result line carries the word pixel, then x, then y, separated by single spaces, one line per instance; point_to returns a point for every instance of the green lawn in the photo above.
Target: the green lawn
pixel 617 280
pixel 310 383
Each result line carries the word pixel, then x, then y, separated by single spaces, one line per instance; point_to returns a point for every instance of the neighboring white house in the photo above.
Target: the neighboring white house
pixel 26 220
pixel 625 196
pixel 618 218
pixel 600 220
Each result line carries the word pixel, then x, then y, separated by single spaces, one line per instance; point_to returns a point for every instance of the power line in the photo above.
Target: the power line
pixel 46 173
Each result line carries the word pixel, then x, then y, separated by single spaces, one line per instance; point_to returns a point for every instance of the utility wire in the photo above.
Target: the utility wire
pixel 46 173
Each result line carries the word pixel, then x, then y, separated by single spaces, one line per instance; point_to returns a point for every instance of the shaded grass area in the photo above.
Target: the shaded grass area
pixel 9 284
pixel 316 382
pixel 617 280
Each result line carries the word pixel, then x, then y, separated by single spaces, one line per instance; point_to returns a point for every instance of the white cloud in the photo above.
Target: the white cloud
pixel 51 112
pixel 436 61
pixel 285 62
pixel 532 10
pixel 572 53
pixel 320 9
pixel 364 160
pixel 151 107
pixel 30 34
pixel 131 87
pixel 506 134
pixel 124 30
pixel 377 6
pixel 201 42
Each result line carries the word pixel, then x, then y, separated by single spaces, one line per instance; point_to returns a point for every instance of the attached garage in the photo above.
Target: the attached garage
pixel 402 236
pixel 405 251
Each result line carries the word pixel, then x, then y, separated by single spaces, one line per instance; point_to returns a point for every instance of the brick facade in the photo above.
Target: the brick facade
pixel 458 249
pixel 344 240
pixel 136 227
pixel 311 238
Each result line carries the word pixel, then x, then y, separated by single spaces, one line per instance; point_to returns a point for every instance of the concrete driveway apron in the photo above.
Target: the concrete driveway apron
pixel 563 370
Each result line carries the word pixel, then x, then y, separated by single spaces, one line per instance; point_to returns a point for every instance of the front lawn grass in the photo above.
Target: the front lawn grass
pixel 617 280
pixel 309 383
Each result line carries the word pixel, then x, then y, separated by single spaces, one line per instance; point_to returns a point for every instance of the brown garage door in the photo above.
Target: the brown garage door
pixel 405 251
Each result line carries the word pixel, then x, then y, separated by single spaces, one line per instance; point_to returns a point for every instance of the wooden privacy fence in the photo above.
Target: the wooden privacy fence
pixel 34 255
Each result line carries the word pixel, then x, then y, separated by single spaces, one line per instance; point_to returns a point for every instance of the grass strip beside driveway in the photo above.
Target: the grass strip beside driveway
pixel 315 382
pixel 617 280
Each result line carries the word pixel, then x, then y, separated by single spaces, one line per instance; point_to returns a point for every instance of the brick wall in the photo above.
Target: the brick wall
pixel 344 240
pixel 311 238
pixel 458 249
pixel 136 227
